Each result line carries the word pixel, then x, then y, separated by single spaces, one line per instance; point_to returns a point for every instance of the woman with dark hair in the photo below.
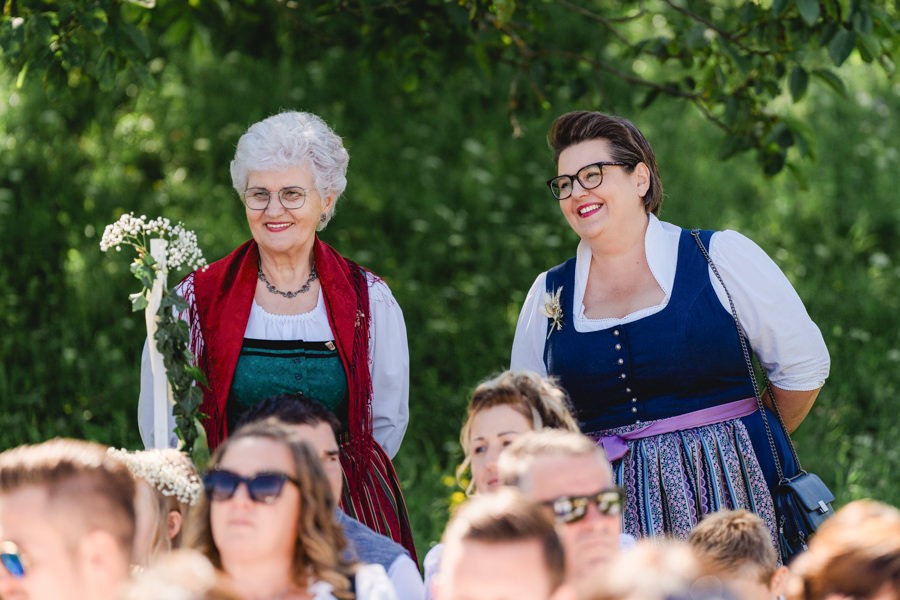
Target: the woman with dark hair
pixel 640 332
pixel 267 521
pixel 286 313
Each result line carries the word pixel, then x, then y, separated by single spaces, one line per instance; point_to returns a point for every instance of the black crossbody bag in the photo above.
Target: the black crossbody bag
pixel 802 502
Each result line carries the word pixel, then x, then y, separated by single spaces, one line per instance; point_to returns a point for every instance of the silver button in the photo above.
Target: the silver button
pixel 634 409
pixel 621 361
pixel 634 399
pixel 623 376
pixel 615 332
pixel 627 390
pixel 618 346
pixel 638 422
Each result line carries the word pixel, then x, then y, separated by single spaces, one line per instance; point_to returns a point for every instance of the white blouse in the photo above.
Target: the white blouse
pixel 388 360
pixel 372 583
pixel 786 341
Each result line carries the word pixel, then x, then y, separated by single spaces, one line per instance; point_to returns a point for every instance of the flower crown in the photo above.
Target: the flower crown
pixel 167 470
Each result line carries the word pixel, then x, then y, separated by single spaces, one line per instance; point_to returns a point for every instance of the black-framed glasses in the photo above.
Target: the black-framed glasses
pixel 589 176
pixel 291 197
pixel 569 509
pixel 263 487
pixel 12 559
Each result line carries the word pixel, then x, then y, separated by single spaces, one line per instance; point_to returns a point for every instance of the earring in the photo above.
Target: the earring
pixel 322 219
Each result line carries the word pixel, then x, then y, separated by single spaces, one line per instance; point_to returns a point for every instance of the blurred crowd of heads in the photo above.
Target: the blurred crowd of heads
pixel 543 520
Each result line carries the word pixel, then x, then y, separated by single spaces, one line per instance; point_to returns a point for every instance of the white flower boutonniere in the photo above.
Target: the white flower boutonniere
pixel 552 309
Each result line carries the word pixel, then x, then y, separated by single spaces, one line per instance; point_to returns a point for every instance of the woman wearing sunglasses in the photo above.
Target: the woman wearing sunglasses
pixel 639 331
pixel 268 522
pixel 286 313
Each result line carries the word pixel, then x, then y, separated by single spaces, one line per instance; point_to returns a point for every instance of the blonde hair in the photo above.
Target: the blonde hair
pixel 516 460
pixel 855 553
pixel 176 487
pixel 319 551
pixel 654 569
pixel 730 541
pixel 540 400
pixel 77 476
pixel 182 575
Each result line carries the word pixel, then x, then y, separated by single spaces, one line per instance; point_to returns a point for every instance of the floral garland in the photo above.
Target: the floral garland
pixel 182 252
pixel 169 471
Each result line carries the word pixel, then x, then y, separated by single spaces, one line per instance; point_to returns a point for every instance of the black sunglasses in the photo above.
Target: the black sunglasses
pixel 12 559
pixel 263 487
pixel 569 509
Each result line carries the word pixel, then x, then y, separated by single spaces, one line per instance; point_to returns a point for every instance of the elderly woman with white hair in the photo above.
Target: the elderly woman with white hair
pixel 286 313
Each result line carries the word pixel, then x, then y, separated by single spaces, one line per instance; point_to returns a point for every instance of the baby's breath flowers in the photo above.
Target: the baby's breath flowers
pixel 167 470
pixel 552 309
pixel 182 250
pixel 172 333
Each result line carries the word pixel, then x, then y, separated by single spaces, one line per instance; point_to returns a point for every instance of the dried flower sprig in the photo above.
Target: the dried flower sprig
pixel 552 309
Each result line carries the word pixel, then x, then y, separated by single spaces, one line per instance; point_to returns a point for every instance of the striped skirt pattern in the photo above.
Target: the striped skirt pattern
pixel 672 480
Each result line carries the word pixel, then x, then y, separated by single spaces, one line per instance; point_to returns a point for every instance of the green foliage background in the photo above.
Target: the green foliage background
pixel 446 201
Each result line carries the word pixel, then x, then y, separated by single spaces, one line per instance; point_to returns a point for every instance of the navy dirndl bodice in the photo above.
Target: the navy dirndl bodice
pixel 683 358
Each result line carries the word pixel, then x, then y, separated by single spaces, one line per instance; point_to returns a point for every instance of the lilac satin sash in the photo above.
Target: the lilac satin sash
pixel 616 446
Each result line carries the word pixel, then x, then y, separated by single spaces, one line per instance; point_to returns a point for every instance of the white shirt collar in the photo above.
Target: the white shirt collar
pixel 661 248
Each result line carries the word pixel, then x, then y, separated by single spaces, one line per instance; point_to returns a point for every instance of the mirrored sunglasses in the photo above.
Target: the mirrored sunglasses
pixel 569 509
pixel 12 559
pixel 263 487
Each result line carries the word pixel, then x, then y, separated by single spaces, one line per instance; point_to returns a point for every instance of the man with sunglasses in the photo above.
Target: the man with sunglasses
pixel 66 522
pixel 569 474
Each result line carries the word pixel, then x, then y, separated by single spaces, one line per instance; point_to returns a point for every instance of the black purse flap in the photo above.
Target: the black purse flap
pixel 811 492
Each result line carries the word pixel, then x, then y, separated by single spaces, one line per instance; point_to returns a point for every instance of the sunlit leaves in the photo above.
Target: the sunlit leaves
pixel 733 61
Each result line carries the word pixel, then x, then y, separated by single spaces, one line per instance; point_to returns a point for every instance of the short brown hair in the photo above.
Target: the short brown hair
pixel 626 143
pixel 506 516
pixel 730 541
pixel 539 399
pixel 77 476
pixel 516 460
pixel 855 553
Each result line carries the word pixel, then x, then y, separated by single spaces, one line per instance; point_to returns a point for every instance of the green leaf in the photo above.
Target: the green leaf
pixel 833 81
pixel 138 301
pixel 798 82
pixel 841 46
pixel 106 70
pixel 809 11
pixel 137 38
pixel 868 47
pixel 20 78
pixel 504 10
pixel 862 22
pixel 778 7
pixel 95 21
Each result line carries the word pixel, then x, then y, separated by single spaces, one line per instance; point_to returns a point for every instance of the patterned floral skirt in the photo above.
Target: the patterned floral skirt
pixel 672 480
